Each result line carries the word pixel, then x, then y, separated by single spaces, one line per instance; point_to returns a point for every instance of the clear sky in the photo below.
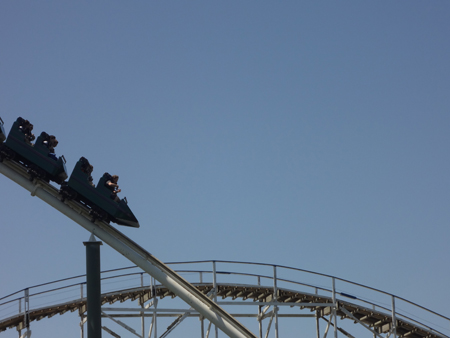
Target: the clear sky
pixel 301 133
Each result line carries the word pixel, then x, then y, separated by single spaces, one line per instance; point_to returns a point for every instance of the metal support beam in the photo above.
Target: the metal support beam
pixel 275 298
pixel 349 314
pixel 27 313
pixel 317 324
pixel 126 327
pixel 94 294
pixel 175 323
pixel 334 307
pixel 142 307
pixel 215 293
pixel 394 320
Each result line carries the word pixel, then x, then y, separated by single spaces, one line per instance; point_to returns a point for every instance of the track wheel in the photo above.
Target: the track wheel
pixel 5 152
pixel 66 192
pixel 35 172
pixel 97 213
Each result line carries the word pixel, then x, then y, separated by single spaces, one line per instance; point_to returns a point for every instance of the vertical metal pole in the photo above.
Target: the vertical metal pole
pixel 94 304
pixel 374 335
pixel 394 320
pixel 142 307
pixel 27 312
pixel 81 316
pixel 20 310
pixel 259 313
pixel 334 307
pixel 275 298
pixel 202 327
pixel 202 319
pixel 155 315
pixel 317 324
pixel 215 293
pixel 317 318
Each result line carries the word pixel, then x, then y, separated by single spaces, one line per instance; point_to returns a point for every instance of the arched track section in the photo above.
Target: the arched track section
pixel 326 302
pixel 267 293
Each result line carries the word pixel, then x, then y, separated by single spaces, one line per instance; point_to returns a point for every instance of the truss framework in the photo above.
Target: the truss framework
pixel 269 302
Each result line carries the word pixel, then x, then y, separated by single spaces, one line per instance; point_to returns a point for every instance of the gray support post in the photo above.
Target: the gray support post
pixel 317 318
pixel 155 302
pixel 260 313
pixel 394 320
pixel 374 335
pixel 275 299
pixel 81 316
pixel 202 319
pixel 94 304
pixel 142 307
pixel 317 324
pixel 334 308
pixel 27 312
pixel 215 293
pixel 202 327
pixel 20 310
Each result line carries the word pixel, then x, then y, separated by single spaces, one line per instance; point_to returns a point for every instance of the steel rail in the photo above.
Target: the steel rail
pixel 407 321
pixel 131 250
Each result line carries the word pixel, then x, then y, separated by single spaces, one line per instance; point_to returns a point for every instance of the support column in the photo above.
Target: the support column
pixel 143 308
pixel 94 305
pixel 334 308
pixel 317 324
pixel 26 319
pixel 275 299
pixel 317 318
pixel 394 319
pixel 81 315
pixel 260 314
pixel 215 293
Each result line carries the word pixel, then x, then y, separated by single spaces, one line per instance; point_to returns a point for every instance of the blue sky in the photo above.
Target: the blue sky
pixel 306 134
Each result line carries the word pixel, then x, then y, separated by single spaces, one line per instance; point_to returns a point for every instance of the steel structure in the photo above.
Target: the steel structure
pixel 280 292
pixel 131 250
pixel 267 298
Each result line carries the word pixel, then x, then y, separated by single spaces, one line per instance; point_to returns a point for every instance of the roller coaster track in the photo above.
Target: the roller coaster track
pixel 279 292
pixel 287 297
pixel 131 250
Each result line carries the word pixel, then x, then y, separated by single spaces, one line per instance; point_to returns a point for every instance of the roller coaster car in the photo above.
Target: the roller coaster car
pixel 98 199
pixel 37 158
